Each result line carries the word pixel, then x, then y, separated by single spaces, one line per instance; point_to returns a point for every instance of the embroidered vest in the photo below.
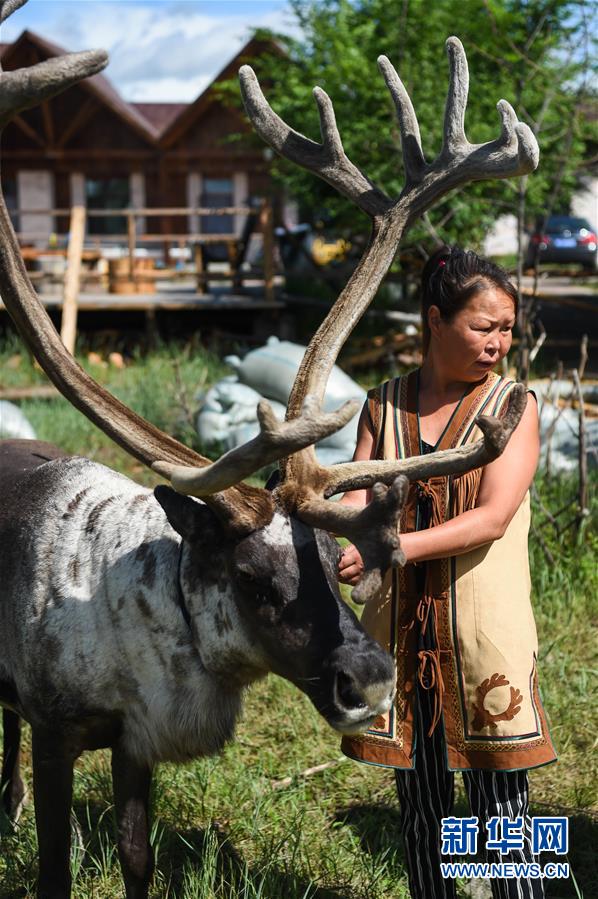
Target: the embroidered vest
pixel 482 664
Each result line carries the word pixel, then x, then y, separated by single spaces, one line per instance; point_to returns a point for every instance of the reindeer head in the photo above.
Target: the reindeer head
pixel 247 514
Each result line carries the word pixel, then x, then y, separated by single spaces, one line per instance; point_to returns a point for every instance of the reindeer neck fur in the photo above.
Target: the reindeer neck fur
pixel 94 571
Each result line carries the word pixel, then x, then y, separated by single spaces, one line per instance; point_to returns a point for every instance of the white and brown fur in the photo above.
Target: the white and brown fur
pixel 95 648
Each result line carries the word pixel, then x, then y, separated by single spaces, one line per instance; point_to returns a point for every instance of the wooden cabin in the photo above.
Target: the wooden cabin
pixel 91 147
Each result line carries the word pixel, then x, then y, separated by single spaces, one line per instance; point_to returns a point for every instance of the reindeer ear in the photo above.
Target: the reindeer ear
pixel 194 521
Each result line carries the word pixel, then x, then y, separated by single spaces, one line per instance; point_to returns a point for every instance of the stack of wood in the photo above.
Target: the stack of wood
pixel 394 347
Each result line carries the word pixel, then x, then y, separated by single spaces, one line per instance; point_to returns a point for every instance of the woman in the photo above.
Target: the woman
pixel 457 616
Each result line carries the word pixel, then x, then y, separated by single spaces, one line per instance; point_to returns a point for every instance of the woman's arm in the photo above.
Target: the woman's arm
pixel 503 486
pixel 350 566
pixel 364 451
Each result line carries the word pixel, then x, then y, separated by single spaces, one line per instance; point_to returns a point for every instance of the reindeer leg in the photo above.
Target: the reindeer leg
pixel 53 764
pixel 12 788
pixel 131 782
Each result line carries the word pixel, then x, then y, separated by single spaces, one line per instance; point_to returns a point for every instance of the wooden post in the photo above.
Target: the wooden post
pixel 266 221
pixel 199 269
pixel 132 239
pixel 72 278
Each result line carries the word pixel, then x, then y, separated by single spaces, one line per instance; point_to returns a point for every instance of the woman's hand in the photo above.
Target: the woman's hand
pixel 350 566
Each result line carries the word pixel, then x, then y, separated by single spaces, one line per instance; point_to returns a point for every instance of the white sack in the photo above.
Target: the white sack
pixel 13 423
pixel 271 370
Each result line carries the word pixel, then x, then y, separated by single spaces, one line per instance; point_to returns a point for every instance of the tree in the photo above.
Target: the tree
pixel 531 52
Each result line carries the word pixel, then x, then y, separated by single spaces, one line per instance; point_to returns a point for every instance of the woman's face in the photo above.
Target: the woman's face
pixel 477 337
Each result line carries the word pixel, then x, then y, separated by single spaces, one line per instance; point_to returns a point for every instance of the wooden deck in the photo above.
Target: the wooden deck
pixel 168 300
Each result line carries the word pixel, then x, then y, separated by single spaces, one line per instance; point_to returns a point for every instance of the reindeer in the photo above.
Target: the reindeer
pixel 135 620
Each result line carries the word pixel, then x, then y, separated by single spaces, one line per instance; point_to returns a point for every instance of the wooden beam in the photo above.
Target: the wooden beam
pixel 80 156
pixel 28 130
pixel 83 116
pixel 48 122
pixel 266 221
pixel 146 212
pixel 40 392
pixel 131 239
pixel 72 279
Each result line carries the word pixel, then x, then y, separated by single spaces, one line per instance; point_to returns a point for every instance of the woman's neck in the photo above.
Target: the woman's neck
pixel 435 380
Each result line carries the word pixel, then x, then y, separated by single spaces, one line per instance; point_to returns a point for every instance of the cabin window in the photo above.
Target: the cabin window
pixel 217 192
pixel 11 198
pixel 107 193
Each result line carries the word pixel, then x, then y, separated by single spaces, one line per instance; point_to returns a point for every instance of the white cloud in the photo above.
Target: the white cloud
pixel 162 51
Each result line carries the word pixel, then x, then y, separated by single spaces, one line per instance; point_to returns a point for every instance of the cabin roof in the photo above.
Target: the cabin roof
pixel 162 123
pixel 97 84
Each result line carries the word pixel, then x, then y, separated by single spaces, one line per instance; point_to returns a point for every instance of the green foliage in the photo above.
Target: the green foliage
pixel 533 53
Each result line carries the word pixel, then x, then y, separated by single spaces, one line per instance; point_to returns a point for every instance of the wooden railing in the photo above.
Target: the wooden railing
pixel 75 245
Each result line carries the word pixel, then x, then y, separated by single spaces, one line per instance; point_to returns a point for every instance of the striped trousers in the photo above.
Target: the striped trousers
pixel 426 795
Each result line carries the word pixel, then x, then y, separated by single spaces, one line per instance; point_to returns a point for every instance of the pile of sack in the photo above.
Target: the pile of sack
pixel 559 424
pixel 13 423
pixel 228 417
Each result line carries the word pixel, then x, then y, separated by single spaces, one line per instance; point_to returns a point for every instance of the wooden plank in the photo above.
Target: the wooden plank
pixel 147 211
pixel 48 122
pixel 83 115
pixel 199 268
pixel 31 134
pixel 41 392
pixel 72 279
pixel 266 221
pixel 131 240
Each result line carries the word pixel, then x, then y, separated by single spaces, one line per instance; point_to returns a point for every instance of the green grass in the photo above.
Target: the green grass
pixel 223 829
pixel 161 386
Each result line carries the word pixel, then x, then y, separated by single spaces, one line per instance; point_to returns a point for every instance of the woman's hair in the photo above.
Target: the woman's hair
pixel 451 276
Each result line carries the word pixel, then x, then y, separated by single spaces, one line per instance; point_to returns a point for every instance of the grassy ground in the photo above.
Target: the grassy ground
pixel 223 827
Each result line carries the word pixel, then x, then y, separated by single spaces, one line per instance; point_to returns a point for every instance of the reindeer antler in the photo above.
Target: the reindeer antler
pixel 515 152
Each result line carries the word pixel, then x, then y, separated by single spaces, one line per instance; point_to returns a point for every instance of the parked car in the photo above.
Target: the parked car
pixel 564 239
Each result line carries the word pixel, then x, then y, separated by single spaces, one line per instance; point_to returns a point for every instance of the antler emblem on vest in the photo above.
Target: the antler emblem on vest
pixel 484 718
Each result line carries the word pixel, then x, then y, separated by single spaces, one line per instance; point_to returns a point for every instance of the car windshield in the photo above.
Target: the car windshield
pixel 556 224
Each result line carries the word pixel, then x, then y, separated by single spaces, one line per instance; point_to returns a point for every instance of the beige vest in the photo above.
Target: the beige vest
pixel 483 669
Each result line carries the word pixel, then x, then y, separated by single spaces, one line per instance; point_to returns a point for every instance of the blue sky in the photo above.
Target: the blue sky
pixel 160 50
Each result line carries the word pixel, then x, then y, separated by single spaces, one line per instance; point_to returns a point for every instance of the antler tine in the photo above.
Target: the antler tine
pixel 25 88
pixel 7 7
pixel 328 128
pixel 413 156
pixel 454 139
pixel 275 441
pixel 374 529
pixel 328 159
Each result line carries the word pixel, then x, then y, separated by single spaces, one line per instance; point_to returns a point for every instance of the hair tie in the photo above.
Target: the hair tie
pixel 442 263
